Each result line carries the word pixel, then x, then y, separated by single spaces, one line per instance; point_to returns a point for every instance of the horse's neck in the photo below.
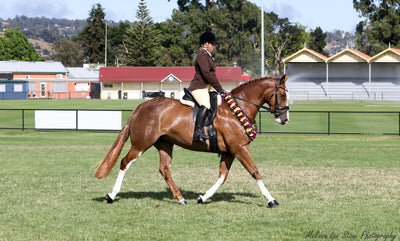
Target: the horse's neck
pixel 254 93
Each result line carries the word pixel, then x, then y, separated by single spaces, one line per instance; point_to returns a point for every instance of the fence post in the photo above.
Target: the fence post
pixel 329 122
pixel 76 117
pixel 23 120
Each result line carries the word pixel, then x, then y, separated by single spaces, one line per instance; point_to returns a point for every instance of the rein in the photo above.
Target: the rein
pixel 277 87
pixel 251 129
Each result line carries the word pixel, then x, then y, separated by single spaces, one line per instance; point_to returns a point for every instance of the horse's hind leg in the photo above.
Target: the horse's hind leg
pixel 165 150
pixel 126 162
pixel 224 167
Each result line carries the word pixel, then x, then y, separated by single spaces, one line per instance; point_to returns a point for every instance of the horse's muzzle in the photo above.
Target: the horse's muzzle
pixel 283 118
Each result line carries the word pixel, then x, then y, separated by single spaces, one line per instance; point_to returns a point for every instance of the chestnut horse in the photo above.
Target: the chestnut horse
pixel 164 122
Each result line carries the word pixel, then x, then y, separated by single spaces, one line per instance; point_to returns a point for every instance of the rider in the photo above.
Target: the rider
pixel 203 80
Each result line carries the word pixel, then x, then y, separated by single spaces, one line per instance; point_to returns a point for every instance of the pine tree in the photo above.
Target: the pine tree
pixel 93 35
pixel 317 41
pixel 141 41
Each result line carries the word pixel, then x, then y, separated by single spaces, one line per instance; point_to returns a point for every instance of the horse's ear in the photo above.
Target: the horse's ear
pixel 283 79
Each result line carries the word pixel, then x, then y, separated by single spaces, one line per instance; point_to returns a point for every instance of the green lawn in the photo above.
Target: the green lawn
pixel 326 185
pixel 330 187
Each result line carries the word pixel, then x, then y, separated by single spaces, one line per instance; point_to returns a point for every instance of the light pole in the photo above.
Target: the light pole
pixel 262 38
pixel 105 51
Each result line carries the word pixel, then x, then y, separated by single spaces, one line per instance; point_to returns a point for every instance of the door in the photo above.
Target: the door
pixel 43 89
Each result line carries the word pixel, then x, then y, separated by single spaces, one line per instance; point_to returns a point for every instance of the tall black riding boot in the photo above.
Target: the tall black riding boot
pixel 198 134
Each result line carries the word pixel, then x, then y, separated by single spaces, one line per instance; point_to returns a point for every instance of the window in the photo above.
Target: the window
pixel 82 87
pixel 2 88
pixel 59 76
pixel 32 86
pixel 108 85
pixel 59 86
pixel 18 87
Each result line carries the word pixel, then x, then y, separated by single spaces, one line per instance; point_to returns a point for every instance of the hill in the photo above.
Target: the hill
pixel 48 29
pixel 338 40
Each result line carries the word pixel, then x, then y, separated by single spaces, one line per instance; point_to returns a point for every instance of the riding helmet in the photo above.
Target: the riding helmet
pixel 207 37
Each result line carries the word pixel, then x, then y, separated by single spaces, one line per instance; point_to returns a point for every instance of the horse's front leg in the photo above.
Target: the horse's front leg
pixel 245 158
pixel 224 167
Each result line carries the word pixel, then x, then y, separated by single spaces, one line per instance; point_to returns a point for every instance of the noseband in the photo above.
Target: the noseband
pixel 276 107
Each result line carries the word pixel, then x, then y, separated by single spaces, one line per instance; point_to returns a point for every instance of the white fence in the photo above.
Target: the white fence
pixel 78 119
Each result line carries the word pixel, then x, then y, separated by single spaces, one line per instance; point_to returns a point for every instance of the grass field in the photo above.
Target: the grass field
pixel 338 187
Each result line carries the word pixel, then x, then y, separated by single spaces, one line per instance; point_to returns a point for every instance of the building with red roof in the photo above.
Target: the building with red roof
pixel 139 82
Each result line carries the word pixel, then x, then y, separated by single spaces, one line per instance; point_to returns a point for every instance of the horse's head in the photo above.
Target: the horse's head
pixel 278 101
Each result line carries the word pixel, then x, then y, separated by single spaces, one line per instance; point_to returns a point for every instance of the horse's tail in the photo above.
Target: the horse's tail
pixel 111 158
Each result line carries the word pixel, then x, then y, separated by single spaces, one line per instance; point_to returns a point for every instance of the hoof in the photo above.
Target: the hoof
pixel 109 199
pixel 199 200
pixel 182 202
pixel 273 204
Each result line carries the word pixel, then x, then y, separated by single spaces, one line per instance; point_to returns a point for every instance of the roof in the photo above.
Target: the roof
pixel 82 73
pixel 349 55
pixel 13 66
pixel 158 74
pixel 306 55
pixel 390 55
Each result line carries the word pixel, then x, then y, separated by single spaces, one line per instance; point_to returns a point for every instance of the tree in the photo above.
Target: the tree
pixel 184 4
pixel 235 23
pixel 68 52
pixel 93 35
pixel 283 39
pixel 140 43
pixel 382 24
pixel 115 37
pixel 174 44
pixel 15 46
pixel 317 41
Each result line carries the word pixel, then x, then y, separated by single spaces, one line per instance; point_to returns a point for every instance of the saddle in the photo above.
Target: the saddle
pixel 215 100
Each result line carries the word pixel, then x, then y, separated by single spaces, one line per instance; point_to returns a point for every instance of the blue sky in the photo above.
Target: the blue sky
pixel 327 14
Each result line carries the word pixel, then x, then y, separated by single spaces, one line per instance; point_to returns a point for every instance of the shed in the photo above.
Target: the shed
pixel 13 89
pixel 138 82
pixel 306 65
pixel 41 76
pixel 349 65
pixel 386 66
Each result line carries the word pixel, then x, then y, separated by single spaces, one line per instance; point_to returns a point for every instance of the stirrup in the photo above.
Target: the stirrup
pixel 200 136
pixel 203 137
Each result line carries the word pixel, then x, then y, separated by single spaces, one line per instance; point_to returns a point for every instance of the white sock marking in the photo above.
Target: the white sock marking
pixel 264 190
pixel 120 178
pixel 213 189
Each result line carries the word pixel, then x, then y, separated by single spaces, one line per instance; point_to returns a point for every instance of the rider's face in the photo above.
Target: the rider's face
pixel 210 47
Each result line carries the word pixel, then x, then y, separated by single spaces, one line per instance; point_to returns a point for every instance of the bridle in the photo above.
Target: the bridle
pixel 276 107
